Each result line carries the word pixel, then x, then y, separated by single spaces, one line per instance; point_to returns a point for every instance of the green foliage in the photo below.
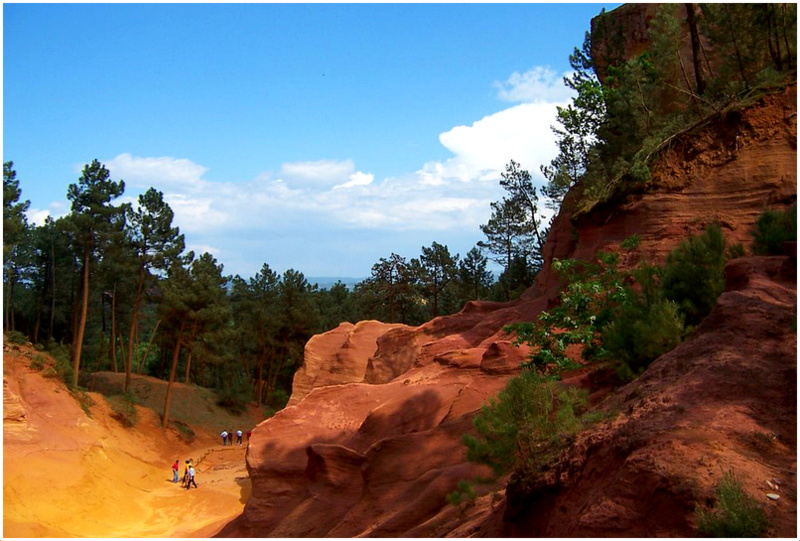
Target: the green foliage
pixel 610 134
pixel 735 514
pixel 588 301
pixel 694 274
pixel 735 251
pixel 773 228
pixel 463 495
pixel 526 426
pixel 124 408
pixel 84 400
pixel 16 337
pixel 38 362
pixel 641 333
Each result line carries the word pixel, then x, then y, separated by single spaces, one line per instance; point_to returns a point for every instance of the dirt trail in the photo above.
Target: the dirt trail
pixel 66 474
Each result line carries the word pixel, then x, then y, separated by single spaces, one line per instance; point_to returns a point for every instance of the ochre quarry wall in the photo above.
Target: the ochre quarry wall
pixel 371 443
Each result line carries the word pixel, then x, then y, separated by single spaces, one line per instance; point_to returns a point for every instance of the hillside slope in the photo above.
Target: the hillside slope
pixel 66 474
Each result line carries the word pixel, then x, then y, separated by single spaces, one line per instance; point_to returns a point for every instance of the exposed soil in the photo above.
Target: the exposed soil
pixel 67 474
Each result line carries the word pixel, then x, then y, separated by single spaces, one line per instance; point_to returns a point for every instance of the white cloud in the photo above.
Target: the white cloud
pixel 357 179
pixel 304 201
pixel 168 172
pixel 538 84
pixel 317 173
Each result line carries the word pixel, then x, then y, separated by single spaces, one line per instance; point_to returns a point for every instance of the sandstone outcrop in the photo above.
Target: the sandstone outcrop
pixel 376 456
pixel 724 400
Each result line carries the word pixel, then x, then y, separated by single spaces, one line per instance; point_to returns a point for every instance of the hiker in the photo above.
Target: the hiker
pixel 186 473
pixel 224 435
pixel 249 432
pixel 175 468
pixel 238 437
pixel 230 437
pixel 191 480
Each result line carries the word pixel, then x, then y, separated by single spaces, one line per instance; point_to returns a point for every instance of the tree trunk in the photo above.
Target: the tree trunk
pixel 76 361
pixel 147 351
pixel 695 36
pixel 175 355
pixel 53 301
pixel 134 323
pixel 188 367
pixel 114 328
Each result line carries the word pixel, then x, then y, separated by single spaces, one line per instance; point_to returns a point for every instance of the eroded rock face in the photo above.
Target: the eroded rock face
pixel 374 444
pixel 338 356
pixel 724 400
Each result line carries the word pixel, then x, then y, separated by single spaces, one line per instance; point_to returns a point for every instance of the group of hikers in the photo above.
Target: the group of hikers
pixel 188 474
pixel 227 437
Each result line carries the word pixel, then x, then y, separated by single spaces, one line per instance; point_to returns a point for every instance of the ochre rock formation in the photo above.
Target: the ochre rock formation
pixel 724 400
pixel 377 456
pixel 338 356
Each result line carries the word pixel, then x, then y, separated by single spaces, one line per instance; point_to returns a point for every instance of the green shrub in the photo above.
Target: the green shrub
pixel 641 334
pixel 531 420
pixel 463 495
pixel 84 400
pixel 735 514
pixel 16 337
pixel 124 409
pixel 694 274
pixel 38 362
pixel 773 228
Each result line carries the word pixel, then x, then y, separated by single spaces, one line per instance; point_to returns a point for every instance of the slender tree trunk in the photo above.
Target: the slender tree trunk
pixel 147 351
pixel 736 47
pixel 53 301
pixel 134 323
pixel 188 367
pixel 76 362
pixel 189 357
pixel 114 328
pixel 175 355
pixel 38 319
pixel 691 19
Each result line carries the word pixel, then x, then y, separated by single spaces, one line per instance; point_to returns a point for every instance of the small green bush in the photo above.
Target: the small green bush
pixel 16 337
pixel 463 495
pixel 641 333
pixel 531 420
pixel 694 274
pixel 735 514
pixel 84 400
pixel 38 362
pixel 773 228
pixel 124 409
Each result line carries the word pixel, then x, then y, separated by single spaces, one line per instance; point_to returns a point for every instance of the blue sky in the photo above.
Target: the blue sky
pixel 317 137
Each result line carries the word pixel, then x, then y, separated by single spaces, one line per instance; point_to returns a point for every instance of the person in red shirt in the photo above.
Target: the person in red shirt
pixel 175 467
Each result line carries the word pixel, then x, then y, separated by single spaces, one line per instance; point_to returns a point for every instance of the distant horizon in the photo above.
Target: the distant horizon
pixel 316 137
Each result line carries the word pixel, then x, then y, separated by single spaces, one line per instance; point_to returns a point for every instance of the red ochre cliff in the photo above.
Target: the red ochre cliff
pixel 371 442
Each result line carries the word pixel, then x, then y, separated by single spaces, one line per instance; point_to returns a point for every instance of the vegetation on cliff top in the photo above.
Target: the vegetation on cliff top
pixel 701 61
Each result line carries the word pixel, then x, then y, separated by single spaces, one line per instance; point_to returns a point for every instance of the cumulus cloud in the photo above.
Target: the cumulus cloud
pixel 319 173
pixel 538 84
pixel 306 200
pixel 168 172
pixel 357 179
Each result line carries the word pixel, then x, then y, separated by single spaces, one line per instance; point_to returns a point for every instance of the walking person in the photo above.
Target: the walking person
pixel 186 473
pixel 224 435
pixel 249 433
pixel 230 437
pixel 238 437
pixel 175 468
pixel 191 480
